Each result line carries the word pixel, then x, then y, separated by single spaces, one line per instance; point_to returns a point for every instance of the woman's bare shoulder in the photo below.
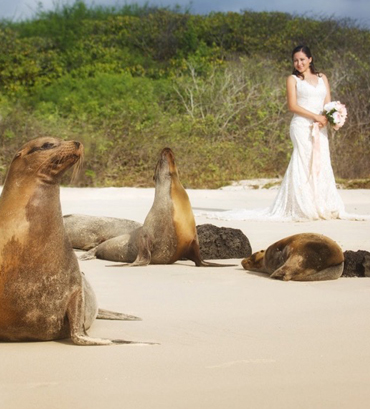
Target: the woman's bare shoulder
pixel 292 78
pixel 324 78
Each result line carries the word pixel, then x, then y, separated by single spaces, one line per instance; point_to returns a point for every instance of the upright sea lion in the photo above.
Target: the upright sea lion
pixel 301 257
pixel 43 294
pixel 169 232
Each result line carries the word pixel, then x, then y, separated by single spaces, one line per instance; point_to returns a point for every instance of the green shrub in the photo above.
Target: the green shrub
pixel 127 81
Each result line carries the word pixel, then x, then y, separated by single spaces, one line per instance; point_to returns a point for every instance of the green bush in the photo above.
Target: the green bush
pixel 127 81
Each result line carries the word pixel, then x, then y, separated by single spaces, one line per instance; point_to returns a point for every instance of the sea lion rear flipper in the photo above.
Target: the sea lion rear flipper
pixel 210 264
pixel 89 255
pixel 194 255
pixel 112 315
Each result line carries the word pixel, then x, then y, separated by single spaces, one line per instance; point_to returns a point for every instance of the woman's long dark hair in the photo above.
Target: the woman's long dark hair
pixel 306 51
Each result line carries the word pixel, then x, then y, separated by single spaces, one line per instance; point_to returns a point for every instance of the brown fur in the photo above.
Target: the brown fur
pixel 169 232
pixel 43 294
pixel 301 257
pixel 86 232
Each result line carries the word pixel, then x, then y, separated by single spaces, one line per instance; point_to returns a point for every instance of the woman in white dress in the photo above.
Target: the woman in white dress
pixel 308 190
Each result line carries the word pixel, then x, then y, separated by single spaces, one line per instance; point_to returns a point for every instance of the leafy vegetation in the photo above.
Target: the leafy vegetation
pixel 129 81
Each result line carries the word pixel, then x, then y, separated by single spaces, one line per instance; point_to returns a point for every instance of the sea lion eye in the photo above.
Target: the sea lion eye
pixel 45 146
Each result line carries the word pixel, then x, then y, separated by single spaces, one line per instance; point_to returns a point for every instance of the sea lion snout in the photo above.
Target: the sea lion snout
pixel 254 261
pixel 166 166
pixel 168 157
pixel 167 151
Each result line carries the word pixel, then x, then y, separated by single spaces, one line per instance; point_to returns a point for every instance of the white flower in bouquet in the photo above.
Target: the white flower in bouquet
pixel 336 114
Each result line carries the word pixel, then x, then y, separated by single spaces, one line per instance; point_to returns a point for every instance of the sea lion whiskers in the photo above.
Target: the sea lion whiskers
pixel 77 167
pixel 77 159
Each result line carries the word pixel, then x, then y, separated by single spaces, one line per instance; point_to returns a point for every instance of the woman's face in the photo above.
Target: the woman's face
pixel 301 62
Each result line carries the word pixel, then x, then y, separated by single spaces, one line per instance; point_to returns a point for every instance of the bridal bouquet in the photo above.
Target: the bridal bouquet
pixel 336 114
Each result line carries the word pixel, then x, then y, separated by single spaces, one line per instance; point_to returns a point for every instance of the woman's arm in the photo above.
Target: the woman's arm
pixel 294 107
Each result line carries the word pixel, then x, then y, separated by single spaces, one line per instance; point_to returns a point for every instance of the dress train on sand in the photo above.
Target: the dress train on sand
pixel 308 190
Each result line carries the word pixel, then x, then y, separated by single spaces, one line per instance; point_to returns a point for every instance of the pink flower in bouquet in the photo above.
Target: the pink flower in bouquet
pixel 336 114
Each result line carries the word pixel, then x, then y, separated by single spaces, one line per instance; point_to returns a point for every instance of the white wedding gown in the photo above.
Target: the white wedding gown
pixel 308 190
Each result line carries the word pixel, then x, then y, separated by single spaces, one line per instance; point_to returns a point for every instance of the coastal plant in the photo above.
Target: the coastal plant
pixel 129 80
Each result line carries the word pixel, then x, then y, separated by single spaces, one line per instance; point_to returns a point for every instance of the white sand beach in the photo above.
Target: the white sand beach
pixel 227 338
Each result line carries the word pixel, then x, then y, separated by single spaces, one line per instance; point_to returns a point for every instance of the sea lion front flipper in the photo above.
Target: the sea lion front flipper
pixel 75 314
pixel 285 273
pixel 294 273
pixel 329 273
pixel 112 315
pixel 144 254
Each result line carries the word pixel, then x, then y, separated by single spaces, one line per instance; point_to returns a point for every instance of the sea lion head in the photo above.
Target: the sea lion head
pixel 166 167
pixel 46 159
pixel 255 262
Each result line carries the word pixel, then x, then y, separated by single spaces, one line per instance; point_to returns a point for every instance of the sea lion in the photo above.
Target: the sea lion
pixel 169 232
pixel 43 294
pixel 301 257
pixel 86 232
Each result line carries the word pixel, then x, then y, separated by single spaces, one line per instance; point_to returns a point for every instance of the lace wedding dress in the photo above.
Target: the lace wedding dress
pixel 308 190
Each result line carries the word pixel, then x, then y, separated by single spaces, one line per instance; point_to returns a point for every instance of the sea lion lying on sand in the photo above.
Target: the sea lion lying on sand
pixel 301 257
pixel 86 232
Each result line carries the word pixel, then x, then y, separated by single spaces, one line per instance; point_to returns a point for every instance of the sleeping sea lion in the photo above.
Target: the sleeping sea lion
pixel 301 257
pixel 86 232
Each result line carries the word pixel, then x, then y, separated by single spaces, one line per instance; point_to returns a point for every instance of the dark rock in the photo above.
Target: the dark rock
pixel 356 263
pixel 222 242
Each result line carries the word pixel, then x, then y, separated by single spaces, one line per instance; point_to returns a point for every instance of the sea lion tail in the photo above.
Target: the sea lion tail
pixel 112 315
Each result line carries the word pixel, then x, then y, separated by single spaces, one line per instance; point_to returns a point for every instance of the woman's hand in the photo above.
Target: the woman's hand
pixel 322 120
